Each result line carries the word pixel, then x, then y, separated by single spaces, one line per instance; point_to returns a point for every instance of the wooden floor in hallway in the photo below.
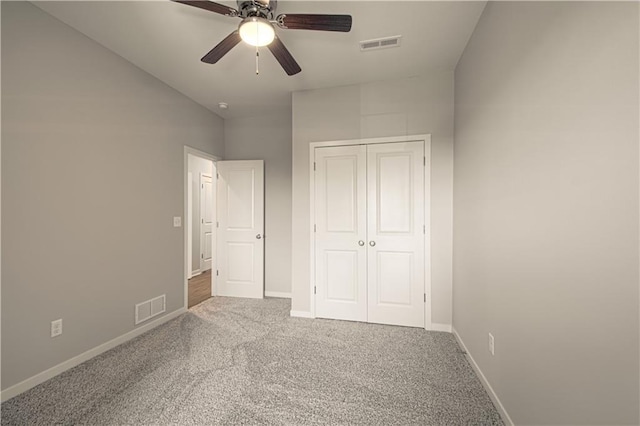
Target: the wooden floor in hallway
pixel 199 288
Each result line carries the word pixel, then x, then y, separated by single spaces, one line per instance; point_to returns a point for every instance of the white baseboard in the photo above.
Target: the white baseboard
pixel 503 413
pixel 42 377
pixel 440 327
pixel 301 314
pixel 280 294
pixel 194 273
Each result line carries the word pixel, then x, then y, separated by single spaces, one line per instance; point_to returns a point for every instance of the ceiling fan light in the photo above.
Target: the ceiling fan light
pixel 256 31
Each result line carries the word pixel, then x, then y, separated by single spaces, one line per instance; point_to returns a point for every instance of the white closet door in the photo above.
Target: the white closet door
pixel 241 225
pixel 395 187
pixel 340 219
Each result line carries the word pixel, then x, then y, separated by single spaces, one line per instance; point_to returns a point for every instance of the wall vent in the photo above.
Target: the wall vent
pixel 380 43
pixel 150 308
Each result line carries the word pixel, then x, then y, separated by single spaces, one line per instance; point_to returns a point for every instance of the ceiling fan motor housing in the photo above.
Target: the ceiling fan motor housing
pixel 261 8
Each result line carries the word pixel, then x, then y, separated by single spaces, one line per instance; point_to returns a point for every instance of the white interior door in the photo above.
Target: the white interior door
pixel 240 236
pixel 370 233
pixel 206 221
pixel 340 226
pixel 396 233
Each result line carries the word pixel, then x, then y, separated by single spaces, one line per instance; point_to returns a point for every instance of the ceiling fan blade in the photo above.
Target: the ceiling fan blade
pixel 211 7
pixel 283 56
pixel 340 23
pixel 222 48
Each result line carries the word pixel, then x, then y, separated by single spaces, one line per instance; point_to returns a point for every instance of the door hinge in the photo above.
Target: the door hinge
pixel 314 166
pixel 217 176
pixel 314 289
pixel 202 220
pixel 424 229
pixel 217 272
pixel 314 228
pixel 424 161
pixel 425 298
pixel 217 224
pixel 202 256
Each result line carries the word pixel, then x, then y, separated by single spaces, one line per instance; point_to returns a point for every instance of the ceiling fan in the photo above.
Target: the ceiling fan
pixel 257 28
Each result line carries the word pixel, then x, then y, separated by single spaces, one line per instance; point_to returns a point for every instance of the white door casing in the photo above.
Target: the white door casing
pixel 189 217
pixel 395 232
pixel 372 195
pixel 340 218
pixel 240 251
pixel 206 221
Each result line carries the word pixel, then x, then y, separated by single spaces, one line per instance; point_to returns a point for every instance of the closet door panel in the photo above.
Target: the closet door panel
pixel 395 221
pixel 340 220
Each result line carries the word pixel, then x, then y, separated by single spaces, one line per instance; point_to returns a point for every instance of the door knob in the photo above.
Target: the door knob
pixel 372 243
pixel 258 236
pixel 360 243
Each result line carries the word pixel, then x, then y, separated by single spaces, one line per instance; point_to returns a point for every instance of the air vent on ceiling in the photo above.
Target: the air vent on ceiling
pixel 380 43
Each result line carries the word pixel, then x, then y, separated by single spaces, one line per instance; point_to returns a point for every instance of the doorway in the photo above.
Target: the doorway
pixel 200 215
pixel 224 236
pixel 370 244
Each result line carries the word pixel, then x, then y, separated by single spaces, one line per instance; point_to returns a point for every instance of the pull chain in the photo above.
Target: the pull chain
pixel 257 61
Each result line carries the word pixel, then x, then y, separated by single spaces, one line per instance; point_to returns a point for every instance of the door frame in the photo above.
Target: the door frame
pixel 185 209
pixel 426 139
pixel 189 223
pixel 214 216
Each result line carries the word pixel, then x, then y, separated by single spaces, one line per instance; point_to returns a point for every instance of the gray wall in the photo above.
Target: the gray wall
pixel 390 108
pixel 268 138
pixel 92 174
pixel 546 209
pixel 196 166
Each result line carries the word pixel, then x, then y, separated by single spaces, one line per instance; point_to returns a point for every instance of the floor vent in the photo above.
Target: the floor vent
pixel 150 308
pixel 380 43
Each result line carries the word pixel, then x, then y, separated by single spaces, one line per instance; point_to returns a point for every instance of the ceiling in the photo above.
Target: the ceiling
pixel 167 40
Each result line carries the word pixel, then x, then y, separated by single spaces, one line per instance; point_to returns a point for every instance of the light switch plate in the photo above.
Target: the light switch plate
pixel 56 327
pixel 492 344
pixel 177 221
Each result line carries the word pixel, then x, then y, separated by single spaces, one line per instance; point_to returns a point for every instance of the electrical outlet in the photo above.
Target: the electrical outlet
pixel 177 221
pixel 56 328
pixel 492 344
